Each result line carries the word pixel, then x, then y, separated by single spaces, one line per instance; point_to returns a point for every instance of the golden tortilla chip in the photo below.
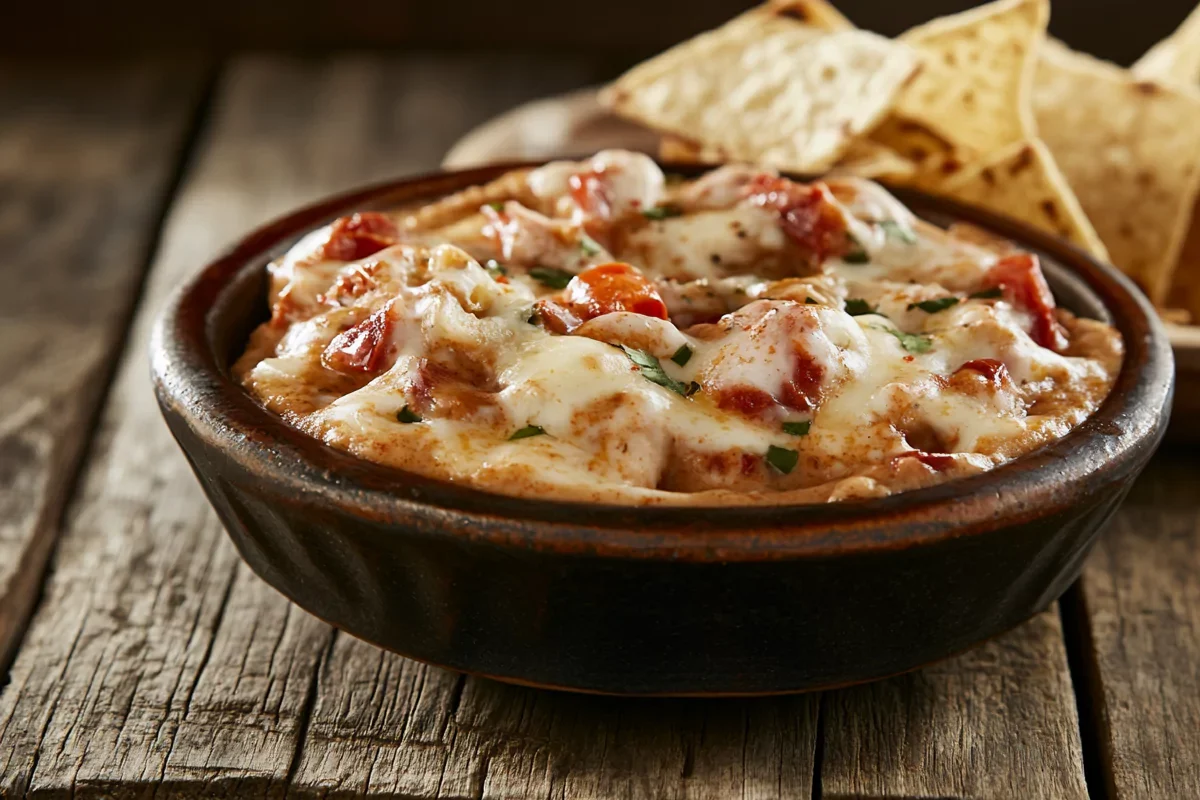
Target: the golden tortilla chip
pixel 768 89
pixel 1023 182
pixel 1185 288
pixel 864 158
pixel 1176 59
pixel 934 160
pixel 973 89
pixel 1130 149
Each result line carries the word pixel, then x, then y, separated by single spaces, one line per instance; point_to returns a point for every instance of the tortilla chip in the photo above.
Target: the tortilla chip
pixel 1023 182
pixel 934 160
pixel 973 89
pixel 768 89
pixel 864 158
pixel 1131 151
pixel 1185 288
pixel 1176 59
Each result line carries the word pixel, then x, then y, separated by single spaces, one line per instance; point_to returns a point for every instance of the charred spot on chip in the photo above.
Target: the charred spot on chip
pixel 1023 161
pixel 951 166
pixel 1144 178
pixel 1147 87
pixel 1050 209
pixel 988 176
pixel 796 11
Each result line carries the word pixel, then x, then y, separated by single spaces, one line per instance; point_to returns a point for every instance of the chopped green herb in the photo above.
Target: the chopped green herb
pixel 895 230
pixel 652 371
pixel 856 307
pixel 692 388
pixel 588 245
pixel 857 257
pixel 496 205
pixel 526 432
pixel 934 306
pixel 661 212
pixel 552 277
pixel 682 355
pixel 782 459
pixel 988 294
pixel 407 416
pixel 494 268
pixel 797 428
pixel 808 301
pixel 912 342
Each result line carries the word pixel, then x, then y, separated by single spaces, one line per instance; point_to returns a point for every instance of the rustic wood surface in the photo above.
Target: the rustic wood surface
pixel 1141 591
pixel 158 665
pixel 86 159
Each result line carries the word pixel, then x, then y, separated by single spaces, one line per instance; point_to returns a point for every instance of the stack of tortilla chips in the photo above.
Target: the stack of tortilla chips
pixel 980 106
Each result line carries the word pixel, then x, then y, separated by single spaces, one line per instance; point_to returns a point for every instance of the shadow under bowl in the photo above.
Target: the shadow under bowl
pixel 649 601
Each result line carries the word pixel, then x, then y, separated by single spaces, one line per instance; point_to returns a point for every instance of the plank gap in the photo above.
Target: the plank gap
pixel 1089 697
pixel 107 373
pixel 819 748
pixel 306 710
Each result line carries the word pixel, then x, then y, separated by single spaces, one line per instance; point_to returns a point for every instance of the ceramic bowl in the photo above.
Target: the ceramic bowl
pixel 664 601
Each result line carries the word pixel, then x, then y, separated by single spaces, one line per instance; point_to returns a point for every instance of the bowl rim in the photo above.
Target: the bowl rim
pixel 195 390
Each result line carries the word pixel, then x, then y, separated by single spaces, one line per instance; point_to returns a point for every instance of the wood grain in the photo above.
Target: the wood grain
pixel 1141 593
pixel 156 661
pixel 384 726
pixel 996 722
pixel 86 159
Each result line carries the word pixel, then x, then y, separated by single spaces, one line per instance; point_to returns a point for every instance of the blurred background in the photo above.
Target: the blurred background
pixel 625 29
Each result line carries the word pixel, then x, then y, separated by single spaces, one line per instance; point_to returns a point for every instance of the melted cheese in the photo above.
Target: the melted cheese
pixel 462 362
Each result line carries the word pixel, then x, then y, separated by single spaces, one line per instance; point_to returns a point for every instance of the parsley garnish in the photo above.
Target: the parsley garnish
pixel 588 245
pixel 661 212
pixel 526 432
pixel 912 342
pixel 407 416
pixel 551 276
pixel 856 307
pixel 782 459
pixel 895 230
pixel 652 371
pixel 494 268
pixel 797 428
pixel 988 294
pixel 682 355
pixel 496 205
pixel 857 253
pixel 934 306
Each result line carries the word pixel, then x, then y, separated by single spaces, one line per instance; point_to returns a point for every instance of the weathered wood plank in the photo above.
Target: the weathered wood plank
pixel 384 726
pixel 996 722
pixel 86 158
pixel 1141 592
pixel 156 661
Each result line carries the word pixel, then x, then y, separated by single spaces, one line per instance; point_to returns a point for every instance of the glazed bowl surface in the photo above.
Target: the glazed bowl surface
pixel 661 600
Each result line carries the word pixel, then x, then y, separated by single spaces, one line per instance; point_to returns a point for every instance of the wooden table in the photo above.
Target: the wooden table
pixel 139 657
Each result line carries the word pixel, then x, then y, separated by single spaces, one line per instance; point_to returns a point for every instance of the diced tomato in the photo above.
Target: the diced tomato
pixel 807 215
pixel 939 462
pixel 359 236
pixel 1020 277
pixel 744 400
pixel 990 368
pixel 615 286
pixel 362 347
pixel 591 193
pixel 802 391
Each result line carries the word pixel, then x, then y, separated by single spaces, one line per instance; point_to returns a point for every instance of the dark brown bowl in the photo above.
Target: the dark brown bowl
pixel 659 600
